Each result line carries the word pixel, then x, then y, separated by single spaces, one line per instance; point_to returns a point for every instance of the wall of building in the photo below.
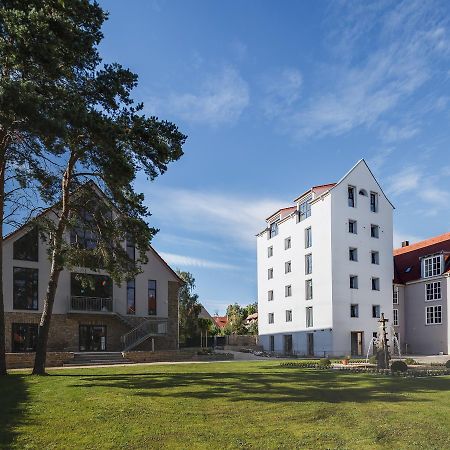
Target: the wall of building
pixel 420 337
pixel 361 178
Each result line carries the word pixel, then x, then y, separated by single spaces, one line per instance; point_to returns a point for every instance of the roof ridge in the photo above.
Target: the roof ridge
pixel 422 244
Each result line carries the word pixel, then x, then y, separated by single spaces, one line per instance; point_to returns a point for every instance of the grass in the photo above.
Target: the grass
pixel 222 405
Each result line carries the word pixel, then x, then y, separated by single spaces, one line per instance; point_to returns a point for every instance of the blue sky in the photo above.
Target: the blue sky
pixel 279 96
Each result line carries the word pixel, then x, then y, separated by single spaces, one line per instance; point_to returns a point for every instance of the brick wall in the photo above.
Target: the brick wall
pixel 26 360
pixel 173 356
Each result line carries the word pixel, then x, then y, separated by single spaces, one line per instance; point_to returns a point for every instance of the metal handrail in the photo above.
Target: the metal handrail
pixel 150 327
pixel 99 304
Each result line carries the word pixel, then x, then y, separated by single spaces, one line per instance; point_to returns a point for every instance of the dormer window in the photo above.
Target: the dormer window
pixel 304 210
pixel 432 266
pixel 351 196
pixel 273 230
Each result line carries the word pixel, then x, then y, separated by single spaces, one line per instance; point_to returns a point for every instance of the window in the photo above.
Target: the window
pixel 270 295
pixel 270 251
pixel 24 337
pixel 152 297
pixel 395 295
pixel 431 266
pixel 272 343
pixel 273 230
pixel 309 316
pixel 90 285
pixel 376 311
pixel 308 237
pixel 269 274
pixel 25 290
pixel 353 282
pixel 26 248
pixel 287 243
pixel 352 226
pixel 304 210
pixel 433 315
pixel 287 267
pixel 131 297
pixel 308 290
pixel 288 291
pixel 353 254
pixel 308 264
pixel 289 315
pixel 374 202
pixel 433 291
pixel 354 310
pixel 395 317
pixel 351 196
pixel 375 231
pixel 271 318
pixel 131 250
pixel 375 257
pixel 375 284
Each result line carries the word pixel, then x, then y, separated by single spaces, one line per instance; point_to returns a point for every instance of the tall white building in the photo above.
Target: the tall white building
pixel 325 268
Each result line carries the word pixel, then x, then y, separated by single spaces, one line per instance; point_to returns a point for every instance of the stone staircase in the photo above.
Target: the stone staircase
pixel 97 359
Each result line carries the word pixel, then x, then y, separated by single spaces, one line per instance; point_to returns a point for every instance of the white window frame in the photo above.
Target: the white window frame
pixel 273 230
pixel 287 243
pixel 373 227
pixel 309 317
pixel 271 318
pixel 288 315
pixel 354 224
pixel 395 317
pixel 377 257
pixel 351 198
pixel 270 295
pixel 288 290
pixel 309 289
pixel 433 291
pixel 436 313
pixel 308 264
pixel 308 237
pixel 270 251
pixel 432 266
pixel 287 267
pixel 355 285
pixel 374 207
pixel 395 295
pixel 379 311
pixel 353 250
pixel 270 273
pixel 356 309
pixel 375 281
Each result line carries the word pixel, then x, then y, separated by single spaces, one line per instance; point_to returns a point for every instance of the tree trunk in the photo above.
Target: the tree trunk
pixel 2 305
pixel 56 268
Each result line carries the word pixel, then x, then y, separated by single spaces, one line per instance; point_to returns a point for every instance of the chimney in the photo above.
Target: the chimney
pixel 405 244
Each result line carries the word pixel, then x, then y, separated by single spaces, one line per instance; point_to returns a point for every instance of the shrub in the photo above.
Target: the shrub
pixel 373 359
pixel 410 361
pixel 324 362
pixel 399 366
pixel 447 364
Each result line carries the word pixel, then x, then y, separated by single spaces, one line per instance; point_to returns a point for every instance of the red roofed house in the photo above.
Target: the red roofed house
pixel 221 321
pixel 421 290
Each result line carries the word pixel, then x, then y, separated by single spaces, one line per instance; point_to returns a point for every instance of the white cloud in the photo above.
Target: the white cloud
pixel 235 219
pixel 400 236
pixel 399 133
pixel 405 180
pixel 188 261
pixel 221 98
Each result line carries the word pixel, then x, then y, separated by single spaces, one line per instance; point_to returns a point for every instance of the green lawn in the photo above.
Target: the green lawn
pixel 222 405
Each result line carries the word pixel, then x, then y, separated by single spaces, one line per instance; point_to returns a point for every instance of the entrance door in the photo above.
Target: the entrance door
pixel 357 343
pixel 310 344
pixel 92 338
pixel 288 344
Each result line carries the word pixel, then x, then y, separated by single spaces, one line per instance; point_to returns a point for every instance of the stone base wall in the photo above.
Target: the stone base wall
pixel 173 356
pixel 242 340
pixel 26 360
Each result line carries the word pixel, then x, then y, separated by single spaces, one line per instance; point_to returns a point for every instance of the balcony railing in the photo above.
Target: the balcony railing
pixel 91 304
pixel 146 329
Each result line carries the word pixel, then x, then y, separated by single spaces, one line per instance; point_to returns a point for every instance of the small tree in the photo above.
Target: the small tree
pixel 189 307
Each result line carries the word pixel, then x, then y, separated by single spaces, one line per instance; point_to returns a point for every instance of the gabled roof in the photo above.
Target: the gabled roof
pixel 287 210
pixel 407 260
pixel 220 321
pixel 321 187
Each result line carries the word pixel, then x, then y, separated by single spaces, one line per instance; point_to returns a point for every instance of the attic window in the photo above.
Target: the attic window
pixel 408 269
pixel 363 192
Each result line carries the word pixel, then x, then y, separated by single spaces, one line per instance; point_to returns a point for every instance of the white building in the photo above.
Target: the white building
pixel 325 268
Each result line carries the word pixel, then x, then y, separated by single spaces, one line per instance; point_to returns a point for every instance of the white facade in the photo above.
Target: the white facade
pixel 333 330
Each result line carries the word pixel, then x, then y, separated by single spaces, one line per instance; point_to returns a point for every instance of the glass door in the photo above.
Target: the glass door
pixel 92 338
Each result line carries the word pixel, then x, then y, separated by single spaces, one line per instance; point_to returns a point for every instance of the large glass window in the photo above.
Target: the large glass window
pixel 152 297
pixel 90 285
pixel 131 297
pixel 373 201
pixel 433 315
pixel 353 254
pixel 433 291
pixel 351 196
pixel 25 290
pixel 273 230
pixel 354 310
pixel 26 248
pixel 395 322
pixel 24 337
pixel 432 266
pixel 304 210
pixel 375 257
pixel 395 295
pixel 375 231
pixel 376 311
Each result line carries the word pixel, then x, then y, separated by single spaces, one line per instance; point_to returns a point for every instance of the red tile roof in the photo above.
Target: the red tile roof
pixel 221 321
pixel 407 259
pixel 288 209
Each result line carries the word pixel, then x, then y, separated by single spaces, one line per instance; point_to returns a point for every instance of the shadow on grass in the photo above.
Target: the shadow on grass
pixel 13 398
pixel 293 385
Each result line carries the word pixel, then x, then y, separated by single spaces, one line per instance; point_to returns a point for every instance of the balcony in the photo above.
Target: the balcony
pixel 91 304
